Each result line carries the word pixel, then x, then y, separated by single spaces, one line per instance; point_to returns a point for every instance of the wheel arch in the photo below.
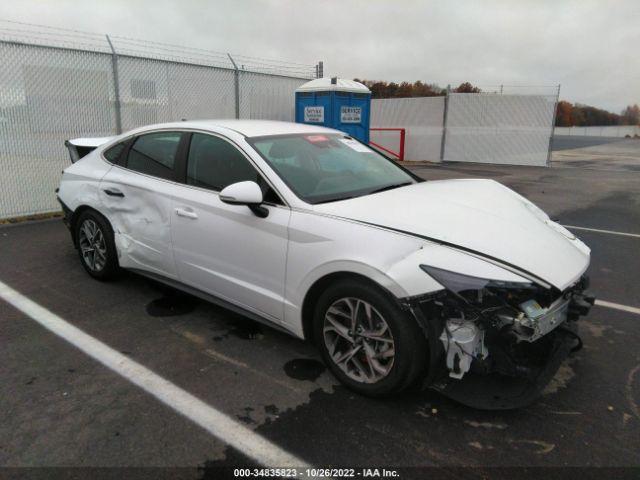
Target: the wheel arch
pixel 73 221
pixel 313 294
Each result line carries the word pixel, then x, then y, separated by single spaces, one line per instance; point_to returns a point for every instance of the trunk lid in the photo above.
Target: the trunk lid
pixel 80 147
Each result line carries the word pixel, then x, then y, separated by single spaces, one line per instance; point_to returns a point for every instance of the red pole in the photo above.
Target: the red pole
pixel 402 131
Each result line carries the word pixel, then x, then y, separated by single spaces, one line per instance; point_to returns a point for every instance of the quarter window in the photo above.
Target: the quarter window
pixel 113 154
pixel 155 154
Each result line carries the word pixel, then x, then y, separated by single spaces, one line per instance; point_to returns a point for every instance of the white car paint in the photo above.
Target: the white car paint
pixel 248 267
pixel 142 219
pixel 90 142
pixel 267 265
pixel 242 193
pixel 480 215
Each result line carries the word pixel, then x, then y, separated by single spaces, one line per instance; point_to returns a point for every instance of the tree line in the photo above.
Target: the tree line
pixel 380 89
pixel 578 115
pixel 567 115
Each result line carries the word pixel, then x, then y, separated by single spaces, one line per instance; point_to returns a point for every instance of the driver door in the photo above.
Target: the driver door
pixel 226 250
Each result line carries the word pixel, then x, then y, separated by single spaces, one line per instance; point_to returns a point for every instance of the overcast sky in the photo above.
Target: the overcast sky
pixel 590 47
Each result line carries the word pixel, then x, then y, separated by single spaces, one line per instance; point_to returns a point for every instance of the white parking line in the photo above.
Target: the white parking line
pixel 611 232
pixel 215 422
pixel 617 306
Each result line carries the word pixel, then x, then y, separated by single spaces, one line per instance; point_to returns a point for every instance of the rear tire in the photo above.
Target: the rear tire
pixel 370 344
pixel 96 246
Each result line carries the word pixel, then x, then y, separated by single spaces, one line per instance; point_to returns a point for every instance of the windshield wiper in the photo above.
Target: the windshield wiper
pixel 381 189
pixel 390 187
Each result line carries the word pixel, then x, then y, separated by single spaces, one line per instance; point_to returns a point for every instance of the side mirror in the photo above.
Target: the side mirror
pixel 245 193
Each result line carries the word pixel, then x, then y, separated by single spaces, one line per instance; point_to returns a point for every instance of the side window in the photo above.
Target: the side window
pixel 113 153
pixel 154 154
pixel 214 163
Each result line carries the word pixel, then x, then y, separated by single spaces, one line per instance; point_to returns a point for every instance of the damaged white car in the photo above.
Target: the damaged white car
pixel 461 285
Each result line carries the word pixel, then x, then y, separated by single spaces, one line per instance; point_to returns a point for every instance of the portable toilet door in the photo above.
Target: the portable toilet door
pixel 314 108
pixel 336 103
pixel 351 114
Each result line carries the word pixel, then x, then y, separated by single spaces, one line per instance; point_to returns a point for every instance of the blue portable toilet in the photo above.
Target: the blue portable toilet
pixel 336 103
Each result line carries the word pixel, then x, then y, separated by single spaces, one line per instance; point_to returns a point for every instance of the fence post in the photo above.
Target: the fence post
pixel 116 86
pixel 553 125
pixel 444 122
pixel 237 84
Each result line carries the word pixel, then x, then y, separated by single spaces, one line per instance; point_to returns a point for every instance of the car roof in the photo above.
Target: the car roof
pixel 248 128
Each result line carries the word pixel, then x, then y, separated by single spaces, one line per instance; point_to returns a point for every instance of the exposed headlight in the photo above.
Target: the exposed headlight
pixel 457 282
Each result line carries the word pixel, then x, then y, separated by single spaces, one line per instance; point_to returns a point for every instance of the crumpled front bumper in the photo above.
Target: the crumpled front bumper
pixel 496 391
pixel 499 381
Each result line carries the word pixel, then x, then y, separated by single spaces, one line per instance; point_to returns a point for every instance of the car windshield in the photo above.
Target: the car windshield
pixel 328 167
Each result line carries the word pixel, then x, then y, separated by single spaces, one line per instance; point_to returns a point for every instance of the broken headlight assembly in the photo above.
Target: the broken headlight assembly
pixel 500 326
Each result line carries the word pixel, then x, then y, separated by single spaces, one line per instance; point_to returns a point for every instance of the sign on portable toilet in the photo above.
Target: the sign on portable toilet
pixel 336 103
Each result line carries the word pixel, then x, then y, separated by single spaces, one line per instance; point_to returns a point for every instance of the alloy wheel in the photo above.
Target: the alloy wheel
pixel 92 245
pixel 359 340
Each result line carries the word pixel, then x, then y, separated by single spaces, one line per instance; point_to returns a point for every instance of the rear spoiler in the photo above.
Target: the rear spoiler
pixel 79 147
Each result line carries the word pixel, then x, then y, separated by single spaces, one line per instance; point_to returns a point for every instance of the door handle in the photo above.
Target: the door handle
pixel 181 212
pixel 113 193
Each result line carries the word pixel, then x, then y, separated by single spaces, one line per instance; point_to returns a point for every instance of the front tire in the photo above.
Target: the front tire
pixel 370 344
pixel 96 246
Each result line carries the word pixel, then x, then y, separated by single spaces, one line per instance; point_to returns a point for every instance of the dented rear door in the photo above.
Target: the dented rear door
pixel 138 198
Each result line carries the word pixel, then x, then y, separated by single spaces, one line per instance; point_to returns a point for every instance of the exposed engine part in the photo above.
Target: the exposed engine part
pixel 499 391
pixel 535 321
pixel 463 342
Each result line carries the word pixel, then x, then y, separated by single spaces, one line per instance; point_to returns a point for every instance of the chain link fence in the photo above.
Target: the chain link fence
pixel 57 84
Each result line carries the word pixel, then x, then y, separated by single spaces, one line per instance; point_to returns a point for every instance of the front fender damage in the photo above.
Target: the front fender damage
pixel 494 357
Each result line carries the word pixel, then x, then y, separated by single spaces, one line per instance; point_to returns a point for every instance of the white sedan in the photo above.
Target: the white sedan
pixel 398 280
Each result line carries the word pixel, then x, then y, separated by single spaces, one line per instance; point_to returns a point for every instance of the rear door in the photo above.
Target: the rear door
pixel 137 195
pixel 226 250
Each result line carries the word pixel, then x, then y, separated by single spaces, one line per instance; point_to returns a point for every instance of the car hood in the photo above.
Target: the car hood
pixel 482 216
